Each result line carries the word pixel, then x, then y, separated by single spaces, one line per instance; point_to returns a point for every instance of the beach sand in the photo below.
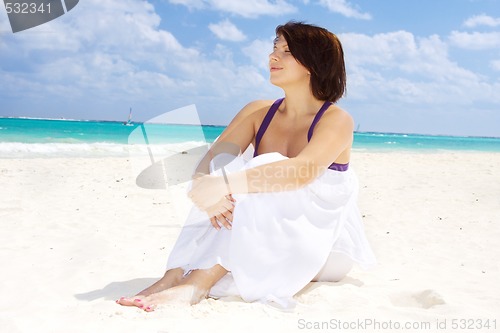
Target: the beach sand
pixel 78 233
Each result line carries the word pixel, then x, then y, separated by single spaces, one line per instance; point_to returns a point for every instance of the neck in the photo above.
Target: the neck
pixel 299 102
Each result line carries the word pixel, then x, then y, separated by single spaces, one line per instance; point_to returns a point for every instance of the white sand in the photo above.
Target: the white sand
pixel 76 234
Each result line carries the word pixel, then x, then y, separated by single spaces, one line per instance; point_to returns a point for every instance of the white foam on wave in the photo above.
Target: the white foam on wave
pixel 50 150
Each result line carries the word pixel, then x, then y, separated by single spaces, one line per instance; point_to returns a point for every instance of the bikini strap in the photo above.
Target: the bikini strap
pixel 325 106
pixel 333 166
pixel 265 123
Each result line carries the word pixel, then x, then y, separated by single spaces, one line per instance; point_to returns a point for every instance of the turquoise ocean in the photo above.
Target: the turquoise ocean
pixel 25 137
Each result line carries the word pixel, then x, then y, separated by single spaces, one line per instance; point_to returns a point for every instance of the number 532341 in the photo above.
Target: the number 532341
pixel 26 7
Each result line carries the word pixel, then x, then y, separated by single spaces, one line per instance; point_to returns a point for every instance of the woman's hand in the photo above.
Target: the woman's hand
pixel 224 217
pixel 210 194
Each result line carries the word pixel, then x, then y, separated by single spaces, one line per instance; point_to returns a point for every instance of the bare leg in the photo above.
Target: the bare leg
pixel 171 278
pixel 191 290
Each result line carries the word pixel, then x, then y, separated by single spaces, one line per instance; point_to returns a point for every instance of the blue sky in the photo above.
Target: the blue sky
pixel 414 66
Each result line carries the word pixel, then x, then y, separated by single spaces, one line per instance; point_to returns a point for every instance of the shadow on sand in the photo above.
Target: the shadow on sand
pixel 115 290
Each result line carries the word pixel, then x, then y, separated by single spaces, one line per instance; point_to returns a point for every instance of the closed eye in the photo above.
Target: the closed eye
pixel 285 50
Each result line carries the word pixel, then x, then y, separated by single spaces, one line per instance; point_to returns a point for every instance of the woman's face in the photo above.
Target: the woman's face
pixel 284 68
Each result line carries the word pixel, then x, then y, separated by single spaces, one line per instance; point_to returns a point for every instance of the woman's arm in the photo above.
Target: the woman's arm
pixel 238 135
pixel 235 138
pixel 333 135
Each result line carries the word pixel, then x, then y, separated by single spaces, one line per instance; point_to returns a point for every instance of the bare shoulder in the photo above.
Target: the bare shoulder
pixel 255 106
pixel 247 119
pixel 253 111
pixel 338 117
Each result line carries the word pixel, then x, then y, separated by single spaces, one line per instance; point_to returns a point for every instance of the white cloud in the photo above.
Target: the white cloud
pixel 226 30
pixel 399 68
pixel 247 8
pixel 482 19
pixel 120 39
pixel 475 40
pixel 399 83
pixel 380 49
pixel 345 8
pixel 258 52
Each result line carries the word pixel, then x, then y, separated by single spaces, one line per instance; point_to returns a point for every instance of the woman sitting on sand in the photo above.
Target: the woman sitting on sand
pixel 287 215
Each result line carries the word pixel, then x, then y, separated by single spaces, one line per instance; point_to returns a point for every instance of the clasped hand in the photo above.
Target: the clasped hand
pixel 211 194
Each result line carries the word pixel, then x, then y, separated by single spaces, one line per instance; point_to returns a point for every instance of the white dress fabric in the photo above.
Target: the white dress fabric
pixel 279 241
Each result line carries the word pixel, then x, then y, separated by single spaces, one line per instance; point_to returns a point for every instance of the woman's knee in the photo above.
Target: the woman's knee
pixel 336 267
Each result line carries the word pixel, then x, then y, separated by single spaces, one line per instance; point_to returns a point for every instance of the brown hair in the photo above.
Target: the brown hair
pixel 320 51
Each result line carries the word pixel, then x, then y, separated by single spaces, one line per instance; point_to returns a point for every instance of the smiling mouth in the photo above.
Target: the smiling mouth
pixel 274 69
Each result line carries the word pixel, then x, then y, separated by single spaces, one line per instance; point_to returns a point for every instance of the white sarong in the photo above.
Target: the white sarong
pixel 279 241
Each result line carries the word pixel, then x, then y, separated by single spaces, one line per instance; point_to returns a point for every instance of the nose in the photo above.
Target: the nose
pixel 273 56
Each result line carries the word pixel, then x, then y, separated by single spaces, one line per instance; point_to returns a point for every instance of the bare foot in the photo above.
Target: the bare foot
pixel 174 288
pixel 183 294
pixel 171 278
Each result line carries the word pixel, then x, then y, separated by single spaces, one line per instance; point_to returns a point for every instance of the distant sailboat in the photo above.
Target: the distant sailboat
pixel 129 120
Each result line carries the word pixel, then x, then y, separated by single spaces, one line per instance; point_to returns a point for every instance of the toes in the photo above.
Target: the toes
pixel 150 308
pixel 125 301
pixel 130 301
pixel 138 302
pixel 149 303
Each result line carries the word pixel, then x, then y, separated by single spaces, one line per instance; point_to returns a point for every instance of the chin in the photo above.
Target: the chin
pixel 275 82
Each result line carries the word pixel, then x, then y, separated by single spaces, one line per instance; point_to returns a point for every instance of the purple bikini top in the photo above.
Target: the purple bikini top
pixel 269 116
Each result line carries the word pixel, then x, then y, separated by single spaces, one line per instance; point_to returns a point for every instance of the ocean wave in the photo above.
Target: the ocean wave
pixel 101 149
